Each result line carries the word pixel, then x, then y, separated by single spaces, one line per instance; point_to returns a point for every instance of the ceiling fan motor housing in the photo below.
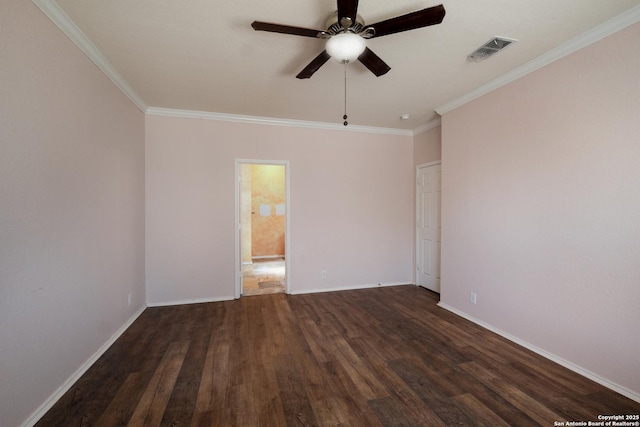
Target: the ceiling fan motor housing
pixel 335 27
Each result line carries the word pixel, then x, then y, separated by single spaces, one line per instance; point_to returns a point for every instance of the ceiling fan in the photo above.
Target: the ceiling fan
pixel 346 34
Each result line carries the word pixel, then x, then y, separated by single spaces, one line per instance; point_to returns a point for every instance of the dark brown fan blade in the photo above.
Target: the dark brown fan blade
pixel 422 18
pixel 314 65
pixel 285 29
pixel 373 62
pixel 347 9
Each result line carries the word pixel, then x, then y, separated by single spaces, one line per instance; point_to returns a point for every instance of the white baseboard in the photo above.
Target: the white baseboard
pixel 48 404
pixel 559 360
pixel 349 288
pixel 312 291
pixel 189 301
pixel 268 257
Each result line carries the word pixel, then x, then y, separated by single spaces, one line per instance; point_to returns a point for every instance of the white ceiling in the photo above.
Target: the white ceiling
pixel 203 55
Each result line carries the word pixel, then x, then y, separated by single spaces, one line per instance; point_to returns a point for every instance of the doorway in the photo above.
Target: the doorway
pixel 262 227
pixel 428 229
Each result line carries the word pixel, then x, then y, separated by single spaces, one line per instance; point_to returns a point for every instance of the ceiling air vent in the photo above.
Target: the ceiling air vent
pixel 494 45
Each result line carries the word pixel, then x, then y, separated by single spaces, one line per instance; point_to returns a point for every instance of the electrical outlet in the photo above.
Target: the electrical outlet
pixel 129 299
pixel 323 274
pixel 473 298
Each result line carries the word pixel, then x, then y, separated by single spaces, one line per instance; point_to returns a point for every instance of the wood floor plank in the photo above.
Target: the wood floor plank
pixel 429 392
pixel 153 402
pixel 215 382
pixel 359 371
pixel 181 405
pixel 405 400
pixel 391 413
pixel 376 357
pixel 527 404
pixel 293 391
pixel 119 411
pixel 314 338
pixel 479 413
pixel 490 398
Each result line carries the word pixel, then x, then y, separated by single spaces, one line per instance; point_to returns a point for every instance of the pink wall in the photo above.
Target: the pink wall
pixel 541 209
pixel 351 198
pixel 427 146
pixel 72 213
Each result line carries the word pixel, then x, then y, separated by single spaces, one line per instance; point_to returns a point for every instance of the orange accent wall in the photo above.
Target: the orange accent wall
pixel 267 190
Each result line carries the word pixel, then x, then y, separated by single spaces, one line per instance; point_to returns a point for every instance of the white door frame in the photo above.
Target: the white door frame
pixel 238 221
pixel 417 198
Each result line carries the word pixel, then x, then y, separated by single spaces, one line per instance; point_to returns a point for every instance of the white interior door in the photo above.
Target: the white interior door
pixel 428 226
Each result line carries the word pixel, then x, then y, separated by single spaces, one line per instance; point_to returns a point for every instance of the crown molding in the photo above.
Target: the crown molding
pixel 71 30
pixel 169 112
pixel 587 38
pixel 62 20
pixel 427 126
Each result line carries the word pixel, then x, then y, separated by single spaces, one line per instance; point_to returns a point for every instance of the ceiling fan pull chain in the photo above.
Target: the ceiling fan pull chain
pixel 345 95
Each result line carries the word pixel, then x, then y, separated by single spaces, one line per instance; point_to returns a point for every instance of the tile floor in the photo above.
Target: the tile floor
pixel 264 277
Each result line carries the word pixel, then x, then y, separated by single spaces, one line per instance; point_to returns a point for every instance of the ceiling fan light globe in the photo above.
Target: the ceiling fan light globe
pixel 345 47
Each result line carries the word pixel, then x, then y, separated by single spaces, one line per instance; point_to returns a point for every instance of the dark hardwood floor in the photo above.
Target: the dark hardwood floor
pixel 386 356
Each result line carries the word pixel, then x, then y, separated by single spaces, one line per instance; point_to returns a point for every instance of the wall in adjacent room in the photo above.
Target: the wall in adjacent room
pixel 351 198
pixel 541 209
pixel 72 216
pixel 268 190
